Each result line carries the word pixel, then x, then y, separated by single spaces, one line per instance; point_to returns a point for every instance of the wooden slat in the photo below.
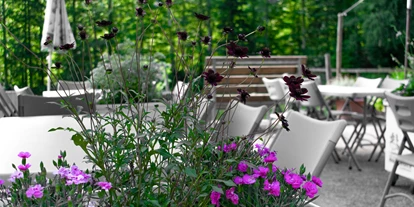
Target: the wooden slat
pixel 264 70
pixel 233 89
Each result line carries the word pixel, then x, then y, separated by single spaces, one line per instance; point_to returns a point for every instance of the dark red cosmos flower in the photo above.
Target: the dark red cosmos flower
pixel 212 77
pixel 209 96
pixel 265 52
pixel 58 65
pixel 48 40
pixel 243 95
pixel 237 51
pixel 108 36
pixel 253 71
pixel 80 27
pixel 227 30
pixel 114 30
pixel 292 80
pixel 182 35
pixel 160 4
pixel 83 35
pixel 201 17
pixel 169 3
pixel 139 12
pixel 261 28
pixel 142 1
pixel 103 23
pixel 206 40
pixel 285 123
pixel 242 37
pixel 297 92
pixel 67 46
pixel 307 73
pixel 88 2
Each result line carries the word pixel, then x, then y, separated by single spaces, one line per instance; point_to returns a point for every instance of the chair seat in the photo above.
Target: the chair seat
pixel 406 159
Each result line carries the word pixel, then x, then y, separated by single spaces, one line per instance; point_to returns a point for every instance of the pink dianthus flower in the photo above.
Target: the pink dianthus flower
pixel 215 197
pixel 242 166
pixel 232 196
pixel 24 155
pixel 311 189
pixel 105 185
pixel 35 191
pixel 24 167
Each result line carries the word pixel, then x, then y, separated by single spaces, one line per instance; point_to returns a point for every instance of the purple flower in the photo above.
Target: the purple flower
pixel 248 179
pixel 273 188
pixel 265 52
pixel 73 175
pixel 307 73
pixel 260 172
pixel 292 80
pixel 242 37
pixel 60 157
pixel 219 148
pixel 293 179
pixel 227 30
pixel 169 3
pixel 242 166
pixel 253 71
pixel 317 181
pixel 139 12
pixel 201 16
pixel 24 167
pixel 35 191
pixel 108 36
pixel 15 175
pixel 238 180
pixel 24 155
pixel 311 189
pixel 237 51
pixel 105 185
pixel 262 150
pixel 243 95
pixel 67 46
pixel 271 157
pixel 1 182
pixel 206 40
pixel 233 146
pixel 232 196
pixel 215 197
pixel 103 23
pixel 298 93
pixel 282 119
pixel 182 35
pixel 274 168
pixel 212 77
pixel 226 148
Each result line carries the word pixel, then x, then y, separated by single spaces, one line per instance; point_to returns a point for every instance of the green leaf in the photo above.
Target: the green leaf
pixel 217 189
pixel 55 129
pixel 164 153
pixel 302 169
pixel 78 141
pixel 229 183
pixel 190 172
pixel 154 202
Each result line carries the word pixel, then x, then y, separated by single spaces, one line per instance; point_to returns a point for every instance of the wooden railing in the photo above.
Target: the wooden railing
pixel 240 76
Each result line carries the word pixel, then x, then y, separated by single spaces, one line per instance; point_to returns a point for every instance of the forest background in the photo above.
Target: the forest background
pixel 293 27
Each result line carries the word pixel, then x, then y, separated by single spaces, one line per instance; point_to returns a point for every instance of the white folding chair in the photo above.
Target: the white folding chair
pixel 179 91
pixel 309 142
pixel 73 85
pixel 319 109
pixel 276 90
pixel 403 109
pixel 239 120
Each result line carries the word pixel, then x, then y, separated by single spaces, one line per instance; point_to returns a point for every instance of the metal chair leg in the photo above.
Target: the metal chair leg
pixel 388 185
pixel 351 155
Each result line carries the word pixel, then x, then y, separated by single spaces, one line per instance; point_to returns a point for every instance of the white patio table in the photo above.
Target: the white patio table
pixel 353 92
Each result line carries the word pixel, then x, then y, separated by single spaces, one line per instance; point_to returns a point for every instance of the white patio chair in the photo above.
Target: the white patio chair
pixel 239 120
pixel 309 142
pixel 179 91
pixel 319 109
pixel 73 85
pixel 276 90
pixel 403 109
pixel 7 107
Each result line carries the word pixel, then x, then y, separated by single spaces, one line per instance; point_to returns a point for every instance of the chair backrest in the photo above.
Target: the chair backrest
pixel 309 142
pixel 389 83
pixel 316 98
pixel 367 82
pixel 40 106
pixel 179 91
pixel 403 109
pixel 275 88
pixel 240 120
pixel 73 85
pixel 7 107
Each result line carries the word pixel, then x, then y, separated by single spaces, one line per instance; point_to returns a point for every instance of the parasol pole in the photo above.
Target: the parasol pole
pixel 407 37
pixel 49 69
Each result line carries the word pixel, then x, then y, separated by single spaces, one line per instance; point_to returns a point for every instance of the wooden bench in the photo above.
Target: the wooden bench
pixel 240 77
